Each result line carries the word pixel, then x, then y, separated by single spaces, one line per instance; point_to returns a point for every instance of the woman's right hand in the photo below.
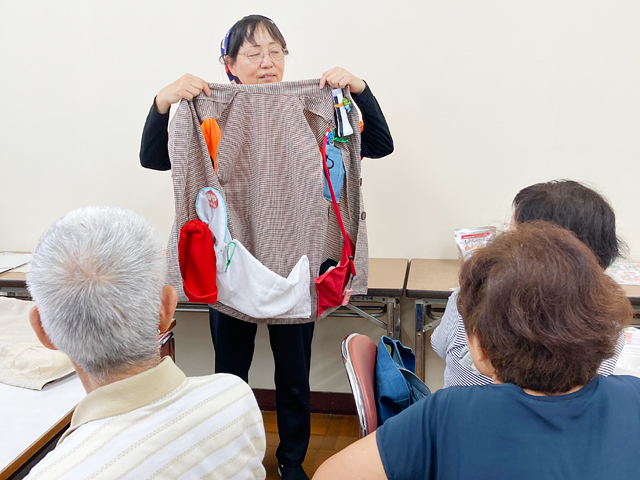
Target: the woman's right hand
pixel 187 86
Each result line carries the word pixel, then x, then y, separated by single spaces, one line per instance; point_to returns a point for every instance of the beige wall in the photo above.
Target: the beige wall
pixel 483 98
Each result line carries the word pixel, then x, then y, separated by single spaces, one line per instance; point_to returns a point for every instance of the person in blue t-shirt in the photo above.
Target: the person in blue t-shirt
pixel 540 316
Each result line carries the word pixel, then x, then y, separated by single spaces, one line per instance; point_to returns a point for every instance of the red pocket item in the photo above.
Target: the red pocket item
pixel 197 262
pixel 331 285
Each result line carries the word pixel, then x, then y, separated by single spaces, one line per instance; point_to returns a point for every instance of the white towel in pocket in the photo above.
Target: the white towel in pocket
pixel 244 283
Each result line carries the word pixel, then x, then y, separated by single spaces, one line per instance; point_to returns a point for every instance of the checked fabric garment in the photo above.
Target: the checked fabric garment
pixel 269 169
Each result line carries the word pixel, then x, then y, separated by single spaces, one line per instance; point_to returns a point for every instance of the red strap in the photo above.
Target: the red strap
pixel 336 209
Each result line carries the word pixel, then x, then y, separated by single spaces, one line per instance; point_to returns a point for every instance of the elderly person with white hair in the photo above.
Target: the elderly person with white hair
pixel 97 279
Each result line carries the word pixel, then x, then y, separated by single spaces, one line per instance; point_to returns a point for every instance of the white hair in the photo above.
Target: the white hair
pixel 96 277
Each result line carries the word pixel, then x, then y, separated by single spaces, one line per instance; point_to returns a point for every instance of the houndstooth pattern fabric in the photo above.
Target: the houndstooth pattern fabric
pixel 269 170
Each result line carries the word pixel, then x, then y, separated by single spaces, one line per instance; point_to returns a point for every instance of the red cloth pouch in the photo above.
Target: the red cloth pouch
pixel 331 285
pixel 197 262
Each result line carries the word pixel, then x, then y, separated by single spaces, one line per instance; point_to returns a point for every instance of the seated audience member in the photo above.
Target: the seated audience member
pixel 563 202
pixel 540 315
pixel 97 279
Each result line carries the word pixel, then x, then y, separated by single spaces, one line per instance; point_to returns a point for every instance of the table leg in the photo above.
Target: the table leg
pixel 397 318
pixel 364 314
pixel 391 317
pixel 419 338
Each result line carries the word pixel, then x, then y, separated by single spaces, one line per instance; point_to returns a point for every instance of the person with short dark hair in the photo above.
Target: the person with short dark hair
pixel 566 203
pixel 575 207
pixel 541 315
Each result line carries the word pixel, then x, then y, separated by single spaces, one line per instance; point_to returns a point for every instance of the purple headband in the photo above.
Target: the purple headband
pixel 224 48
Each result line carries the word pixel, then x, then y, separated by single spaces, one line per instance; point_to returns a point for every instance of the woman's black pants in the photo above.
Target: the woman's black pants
pixel 234 341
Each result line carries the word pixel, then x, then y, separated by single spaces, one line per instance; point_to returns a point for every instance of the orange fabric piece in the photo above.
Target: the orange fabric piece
pixel 211 131
pixel 361 129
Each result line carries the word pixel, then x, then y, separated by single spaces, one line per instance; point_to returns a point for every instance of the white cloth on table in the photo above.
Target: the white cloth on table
pixel 24 361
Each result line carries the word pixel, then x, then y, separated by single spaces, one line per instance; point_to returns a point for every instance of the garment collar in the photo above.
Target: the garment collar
pixel 127 395
pixel 588 389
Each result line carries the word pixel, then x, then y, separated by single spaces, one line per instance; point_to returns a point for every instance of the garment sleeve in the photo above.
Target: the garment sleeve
pixel 154 150
pixel 405 442
pixel 444 335
pixel 376 137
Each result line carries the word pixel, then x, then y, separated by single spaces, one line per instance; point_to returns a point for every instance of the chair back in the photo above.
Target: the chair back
pixel 359 357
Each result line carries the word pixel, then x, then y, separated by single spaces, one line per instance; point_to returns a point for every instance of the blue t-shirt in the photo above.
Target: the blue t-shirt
pixel 500 432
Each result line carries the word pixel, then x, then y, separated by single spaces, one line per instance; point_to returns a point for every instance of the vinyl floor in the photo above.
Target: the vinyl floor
pixel 329 434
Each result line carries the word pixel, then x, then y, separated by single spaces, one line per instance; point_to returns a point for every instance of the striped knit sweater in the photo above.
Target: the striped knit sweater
pixel 161 425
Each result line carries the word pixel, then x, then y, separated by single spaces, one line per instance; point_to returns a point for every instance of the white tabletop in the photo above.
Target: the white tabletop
pixel 28 414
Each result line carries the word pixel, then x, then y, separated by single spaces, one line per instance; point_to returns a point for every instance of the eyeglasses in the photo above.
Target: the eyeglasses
pixel 256 56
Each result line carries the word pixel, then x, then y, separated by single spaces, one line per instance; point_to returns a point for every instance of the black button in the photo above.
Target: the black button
pixel 363 215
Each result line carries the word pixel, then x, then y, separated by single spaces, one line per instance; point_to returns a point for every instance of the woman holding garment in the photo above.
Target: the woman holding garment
pixel 253 52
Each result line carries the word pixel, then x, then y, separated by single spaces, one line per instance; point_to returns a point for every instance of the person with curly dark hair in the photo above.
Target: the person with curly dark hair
pixel 541 316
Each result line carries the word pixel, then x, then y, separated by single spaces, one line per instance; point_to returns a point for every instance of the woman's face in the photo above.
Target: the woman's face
pixel 265 70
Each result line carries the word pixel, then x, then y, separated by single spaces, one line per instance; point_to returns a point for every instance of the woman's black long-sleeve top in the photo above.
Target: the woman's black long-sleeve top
pixel 376 141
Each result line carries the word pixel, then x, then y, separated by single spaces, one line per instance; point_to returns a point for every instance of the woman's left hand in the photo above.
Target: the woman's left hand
pixel 338 77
